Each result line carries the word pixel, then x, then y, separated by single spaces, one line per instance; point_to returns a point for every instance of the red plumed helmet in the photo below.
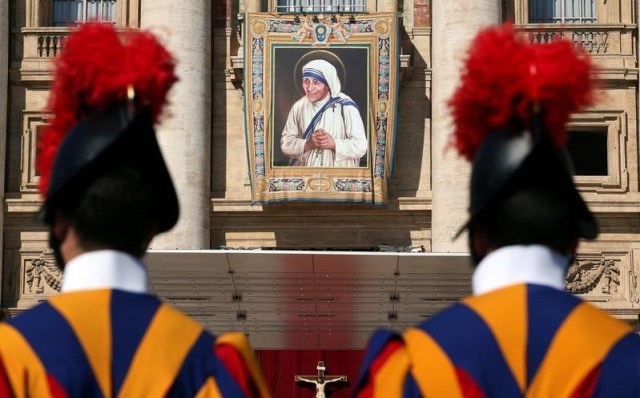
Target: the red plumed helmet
pixel 510 112
pixel 504 77
pixel 93 73
pixel 108 92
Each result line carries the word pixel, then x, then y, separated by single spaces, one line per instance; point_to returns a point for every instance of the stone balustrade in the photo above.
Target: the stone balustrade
pixel 43 42
pixel 595 39
pixel 40 46
pixel 50 45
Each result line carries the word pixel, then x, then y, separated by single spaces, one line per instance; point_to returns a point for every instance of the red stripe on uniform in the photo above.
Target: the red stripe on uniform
pixel 55 388
pixel 234 362
pixel 376 365
pixel 5 387
pixel 588 384
pixel 468 385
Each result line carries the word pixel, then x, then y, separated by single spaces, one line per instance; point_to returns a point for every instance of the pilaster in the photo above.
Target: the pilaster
pixel 455 24
pixel 387 5
pixel 185 131
pixel 4 94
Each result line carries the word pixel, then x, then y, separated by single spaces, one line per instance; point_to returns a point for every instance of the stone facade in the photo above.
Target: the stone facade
pixel 205 143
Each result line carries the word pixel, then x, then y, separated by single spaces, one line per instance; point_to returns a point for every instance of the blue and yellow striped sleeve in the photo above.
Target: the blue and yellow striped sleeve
pixel 386 369
pixel 235 353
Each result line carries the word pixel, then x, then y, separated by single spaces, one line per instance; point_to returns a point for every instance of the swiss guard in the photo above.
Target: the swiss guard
pixel 107 193
pixel 520 334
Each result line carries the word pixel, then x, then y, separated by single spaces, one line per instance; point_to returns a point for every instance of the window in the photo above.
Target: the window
pixel 312 6
pixel 67 12
pixel 602 151
pixel 562 11
pixel 588 151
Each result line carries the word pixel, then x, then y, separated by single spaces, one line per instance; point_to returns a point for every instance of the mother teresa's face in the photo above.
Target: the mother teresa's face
pixel 314 89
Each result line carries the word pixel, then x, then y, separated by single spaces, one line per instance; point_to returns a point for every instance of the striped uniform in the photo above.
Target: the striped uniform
pixel 112 343
pixel 525 340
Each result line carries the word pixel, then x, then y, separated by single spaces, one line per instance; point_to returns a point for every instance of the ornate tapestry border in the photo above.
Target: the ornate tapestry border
pixel 378 33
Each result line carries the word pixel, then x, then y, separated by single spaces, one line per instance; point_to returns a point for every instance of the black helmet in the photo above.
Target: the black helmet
pixel 509 161
pixel 116 138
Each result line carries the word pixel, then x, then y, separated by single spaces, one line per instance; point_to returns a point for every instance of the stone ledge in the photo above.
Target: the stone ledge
pixel 401 204
pixel 16 205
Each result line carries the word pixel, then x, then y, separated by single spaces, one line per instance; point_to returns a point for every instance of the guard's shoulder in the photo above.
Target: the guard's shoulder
pixel 33 318
pixel 607 324
pixel 379 340
pixel 445 316
pixel 180 316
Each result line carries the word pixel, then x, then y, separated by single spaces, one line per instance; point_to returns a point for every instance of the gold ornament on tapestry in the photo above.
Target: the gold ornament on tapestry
pixel 259 27
pixel 320 29
pixel 320 183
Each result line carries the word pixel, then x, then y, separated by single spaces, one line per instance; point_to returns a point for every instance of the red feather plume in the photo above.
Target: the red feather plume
pixel 93 72
pixel 504 77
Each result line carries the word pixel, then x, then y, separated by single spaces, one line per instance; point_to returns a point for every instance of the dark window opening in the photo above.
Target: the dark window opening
pixel 588 151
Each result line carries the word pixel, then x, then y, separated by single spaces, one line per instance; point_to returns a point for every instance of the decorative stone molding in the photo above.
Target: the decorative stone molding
pixel 41 272
pixel 635 273
pixel 40 279
pixel 583 277
pixel 401 249
pixel 608 279
pixel 32 123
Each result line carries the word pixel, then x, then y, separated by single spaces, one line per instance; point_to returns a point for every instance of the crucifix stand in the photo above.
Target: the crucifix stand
pixel 320 380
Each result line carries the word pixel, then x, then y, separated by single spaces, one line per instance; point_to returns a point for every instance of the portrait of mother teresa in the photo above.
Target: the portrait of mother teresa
pixel 324 127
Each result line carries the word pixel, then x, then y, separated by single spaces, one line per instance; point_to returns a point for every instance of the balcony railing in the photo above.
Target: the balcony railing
pixel 50 45
pixel 595 39
pixel 39 47
pixel 43 42
pixel 321 6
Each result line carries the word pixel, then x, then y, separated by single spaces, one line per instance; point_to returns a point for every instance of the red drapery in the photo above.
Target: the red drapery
pixel 281 366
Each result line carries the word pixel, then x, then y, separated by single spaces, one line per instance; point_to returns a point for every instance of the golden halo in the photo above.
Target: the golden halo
pixel 318 54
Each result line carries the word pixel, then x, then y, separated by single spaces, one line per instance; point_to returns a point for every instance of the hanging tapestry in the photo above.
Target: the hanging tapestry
pixel 320 104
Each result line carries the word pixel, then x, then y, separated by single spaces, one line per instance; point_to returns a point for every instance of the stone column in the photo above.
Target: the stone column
pixel 4 94
pixel 387 5
pixel 185 133
pixel 252 6
pixel 454 25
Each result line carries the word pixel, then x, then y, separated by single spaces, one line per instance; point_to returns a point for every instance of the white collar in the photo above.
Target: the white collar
pixel 105 269
pixel 516 264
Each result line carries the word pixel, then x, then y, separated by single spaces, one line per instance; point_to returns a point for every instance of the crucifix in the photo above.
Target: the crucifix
pixel 320 380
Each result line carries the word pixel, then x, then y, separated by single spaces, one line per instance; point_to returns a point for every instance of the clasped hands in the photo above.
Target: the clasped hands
pixel 320 139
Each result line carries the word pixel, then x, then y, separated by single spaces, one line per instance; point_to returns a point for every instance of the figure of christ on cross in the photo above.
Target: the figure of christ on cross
pixel 320 380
